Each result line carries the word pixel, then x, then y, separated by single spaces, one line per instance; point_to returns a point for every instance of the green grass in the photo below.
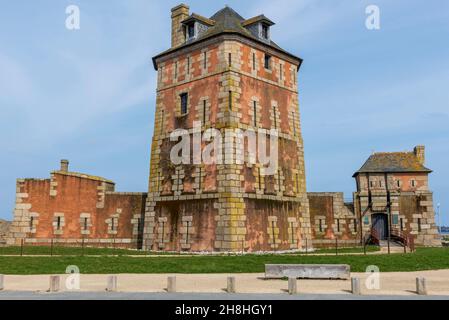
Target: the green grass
pixel 60 250
pixel 422 259
pixel 78 251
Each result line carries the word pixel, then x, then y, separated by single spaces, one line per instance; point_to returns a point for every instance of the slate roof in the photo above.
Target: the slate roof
pixel 225 21
pixel 392 162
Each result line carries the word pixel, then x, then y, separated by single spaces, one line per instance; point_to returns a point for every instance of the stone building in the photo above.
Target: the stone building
pixel 227 73
pixel 393 196
pixel 71 208
pixel 224 75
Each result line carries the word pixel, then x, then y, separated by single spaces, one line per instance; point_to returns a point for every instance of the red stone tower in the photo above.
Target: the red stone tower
pixel 227 73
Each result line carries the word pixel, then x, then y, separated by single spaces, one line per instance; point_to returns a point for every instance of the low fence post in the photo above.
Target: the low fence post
pixel 292 286
pixel 355 286
pixel 55 283
pixel 231 285
pixel 2 282
pixel 421 286
pixel 21 247
pixel 171 284
pixel 111 285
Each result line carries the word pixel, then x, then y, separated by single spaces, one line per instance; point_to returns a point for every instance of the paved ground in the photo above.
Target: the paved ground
pixel 17 295
pixel 390 283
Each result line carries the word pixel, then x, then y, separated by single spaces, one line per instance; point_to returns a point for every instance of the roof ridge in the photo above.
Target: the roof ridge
pixel 227 8
pixel 393 152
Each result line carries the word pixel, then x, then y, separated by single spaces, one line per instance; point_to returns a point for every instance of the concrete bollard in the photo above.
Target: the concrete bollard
pixel 171 284
pixel 55 283
pixel 111 285
pixel 231 285
pixel 421 287
pixel 355 286
pixel 2 281
pixel 292 286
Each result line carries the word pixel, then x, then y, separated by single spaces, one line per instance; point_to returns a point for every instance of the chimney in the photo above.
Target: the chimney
pixel 64 165
pixel 178 14
pixel 420 153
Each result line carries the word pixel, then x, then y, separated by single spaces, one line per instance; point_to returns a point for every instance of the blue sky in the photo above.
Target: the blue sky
pixel 89 95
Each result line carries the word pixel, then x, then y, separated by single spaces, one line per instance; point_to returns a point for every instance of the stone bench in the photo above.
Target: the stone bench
pixel 307 271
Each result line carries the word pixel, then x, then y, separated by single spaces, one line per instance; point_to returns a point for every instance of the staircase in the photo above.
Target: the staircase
pixel 395 246
pixel 399 242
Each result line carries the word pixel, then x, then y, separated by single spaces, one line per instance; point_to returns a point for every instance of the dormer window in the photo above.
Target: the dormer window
pixel 191 31
pixel 265 31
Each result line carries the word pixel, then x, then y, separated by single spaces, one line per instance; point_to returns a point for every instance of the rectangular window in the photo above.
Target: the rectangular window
pixel 176 70
pixel 264 31
pixel 162 120
pixel 293 123
pixel 395 219
pixel 320 227
pixel 255 113
pixel 188 65
pixel 184 99
pixel 260 178
pixel 401 224
pixel 85 223
pixel 419 224
pixel 230 100
pixel 338 225
pixel 267 62
pixel 230 59
pixel 31 222
pixel 191 31
pixel 113 224
pixel 279 180
pixel 280 71
pixel 58 223
pixel 254 61
pixel 366 220
pixel 204 111
pixel 161 71
pixel 204 60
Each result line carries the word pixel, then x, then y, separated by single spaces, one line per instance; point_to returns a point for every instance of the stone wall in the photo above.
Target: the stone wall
pixel 72 208
pixel 332 219
pixel 4 230
pixel 228 88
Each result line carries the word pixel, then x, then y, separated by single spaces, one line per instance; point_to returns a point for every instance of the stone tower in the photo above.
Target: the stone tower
pixel 225 73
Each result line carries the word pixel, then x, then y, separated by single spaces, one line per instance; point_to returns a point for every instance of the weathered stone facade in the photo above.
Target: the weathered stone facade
pixel 73 208
pixel 394 187
pixel 225 73
pixel 228 87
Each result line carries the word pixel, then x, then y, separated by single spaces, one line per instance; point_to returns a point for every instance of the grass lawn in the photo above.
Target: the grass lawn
pixel 422 259
pixel 78 251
